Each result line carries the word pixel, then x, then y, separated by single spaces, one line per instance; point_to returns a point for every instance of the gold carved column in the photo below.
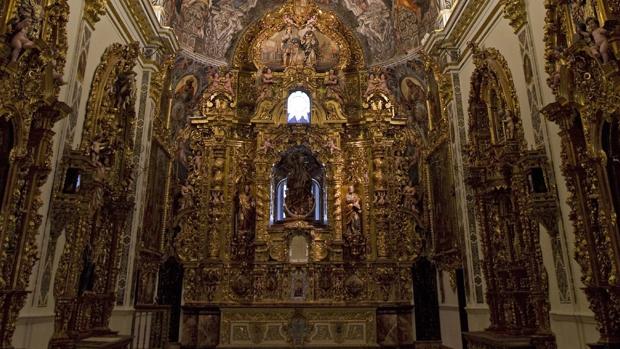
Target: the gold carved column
pixel 263 173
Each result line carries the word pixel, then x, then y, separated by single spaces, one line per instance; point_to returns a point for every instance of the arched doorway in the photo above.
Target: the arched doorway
pixel 426 301
pixel 170 291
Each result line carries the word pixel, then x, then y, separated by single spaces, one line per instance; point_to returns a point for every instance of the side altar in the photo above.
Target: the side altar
pixel 303 209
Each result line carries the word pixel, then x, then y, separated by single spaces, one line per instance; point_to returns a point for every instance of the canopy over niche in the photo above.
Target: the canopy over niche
pixel 386 29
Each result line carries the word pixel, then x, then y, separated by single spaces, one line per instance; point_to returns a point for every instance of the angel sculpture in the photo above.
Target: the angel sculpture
pixel 600 36
pixel 28 11
pixel 20 40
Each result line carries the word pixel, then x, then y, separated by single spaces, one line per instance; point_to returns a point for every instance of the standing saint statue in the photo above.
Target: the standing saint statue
pixel 246 210
pixel 299 199
pixel 353 220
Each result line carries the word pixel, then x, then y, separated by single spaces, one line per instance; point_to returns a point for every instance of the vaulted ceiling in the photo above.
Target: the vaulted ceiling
pixel 387 29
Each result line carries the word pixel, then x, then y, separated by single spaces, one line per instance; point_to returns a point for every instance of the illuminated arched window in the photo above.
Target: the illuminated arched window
pixel 298 108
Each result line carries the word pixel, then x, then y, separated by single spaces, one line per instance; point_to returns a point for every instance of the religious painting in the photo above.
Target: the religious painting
pixel 387 29
pixel 414 19
pixel 419 7
pixel 182 108
pixel 414 97
pixel 611 147
pixel 304 46
pixel 443 194
pixel 375 24
pixel 156 194
pixel 184 94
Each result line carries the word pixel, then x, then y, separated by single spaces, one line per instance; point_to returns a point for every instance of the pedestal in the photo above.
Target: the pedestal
pixel 395 327
pixel 200 327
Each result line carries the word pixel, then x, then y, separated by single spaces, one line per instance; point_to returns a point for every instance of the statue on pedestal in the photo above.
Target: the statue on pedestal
pixel 246 210
pixel 353 223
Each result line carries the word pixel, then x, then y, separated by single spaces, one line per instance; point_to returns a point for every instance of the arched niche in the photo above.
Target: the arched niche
pixel 274 109
pixel 109 126
pixel 494 111
pixel 298 188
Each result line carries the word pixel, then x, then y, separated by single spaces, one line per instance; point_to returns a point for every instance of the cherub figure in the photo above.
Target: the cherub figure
pixel 289 20
pixel 509 125
pixel 600 35
pixel 332 146
pixel 267 76
pixel 266 147
pixel 96 150
pixel 187 192
pixel 20 40
pixel 311 22
pixel 331 78
pixel 377 82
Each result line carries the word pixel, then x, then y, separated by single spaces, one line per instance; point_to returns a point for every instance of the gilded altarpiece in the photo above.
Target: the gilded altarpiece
pixel 507 180
pixel 32 60
pixel 287 217
pixel 155 233
pixel 582 62
pixel 91 205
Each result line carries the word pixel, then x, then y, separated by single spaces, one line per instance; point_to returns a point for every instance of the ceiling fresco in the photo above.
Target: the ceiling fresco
pixel 387 29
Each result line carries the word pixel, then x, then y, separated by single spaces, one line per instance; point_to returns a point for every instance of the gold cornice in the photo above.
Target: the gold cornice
pixel 142 22
pixel 466 18
pixel 142 19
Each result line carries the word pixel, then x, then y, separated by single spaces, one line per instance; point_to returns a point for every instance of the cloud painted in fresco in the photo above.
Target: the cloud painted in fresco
pixel 211 27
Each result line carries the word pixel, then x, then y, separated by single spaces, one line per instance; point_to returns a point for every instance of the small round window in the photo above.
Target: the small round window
pixel 298 108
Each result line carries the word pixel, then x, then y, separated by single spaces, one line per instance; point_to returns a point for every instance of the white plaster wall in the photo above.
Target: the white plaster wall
pixel 449 314
pixel 121 321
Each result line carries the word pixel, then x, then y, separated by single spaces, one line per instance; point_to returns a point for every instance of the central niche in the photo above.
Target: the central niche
pixel 298 190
